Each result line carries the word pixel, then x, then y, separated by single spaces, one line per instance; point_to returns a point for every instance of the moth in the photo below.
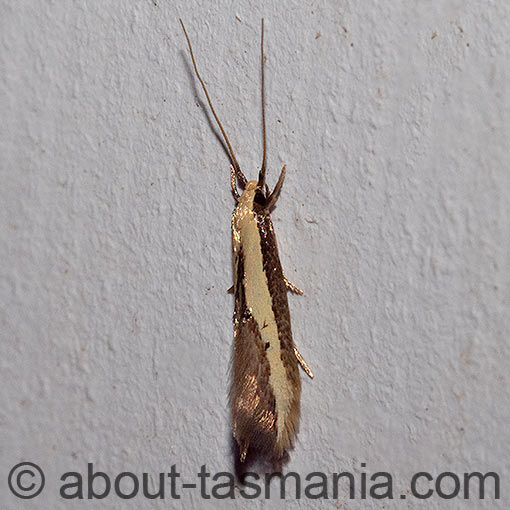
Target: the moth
pixel 265 387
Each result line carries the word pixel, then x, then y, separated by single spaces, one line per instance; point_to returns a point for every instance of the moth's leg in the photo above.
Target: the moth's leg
pixel 233 182
pixel 303 364
pixel 291 287
pixel 231 290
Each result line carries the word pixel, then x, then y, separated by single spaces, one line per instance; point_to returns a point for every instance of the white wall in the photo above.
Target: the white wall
pixel 115 204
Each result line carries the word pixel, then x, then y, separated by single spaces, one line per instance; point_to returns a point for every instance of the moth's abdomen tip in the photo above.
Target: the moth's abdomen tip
pixel 244 451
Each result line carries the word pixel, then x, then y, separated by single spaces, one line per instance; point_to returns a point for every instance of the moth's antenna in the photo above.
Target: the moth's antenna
pixel 262 173
pixel 239 173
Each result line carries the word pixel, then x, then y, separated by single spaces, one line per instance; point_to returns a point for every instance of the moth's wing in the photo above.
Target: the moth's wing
pixel 251 397
pixel 252 401
pixel 290 396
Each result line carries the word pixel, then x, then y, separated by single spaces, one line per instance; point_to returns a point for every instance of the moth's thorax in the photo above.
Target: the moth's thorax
pixel 244 213
pixel 248 196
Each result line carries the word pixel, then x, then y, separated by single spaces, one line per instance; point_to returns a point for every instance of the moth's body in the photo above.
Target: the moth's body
pixel 265 388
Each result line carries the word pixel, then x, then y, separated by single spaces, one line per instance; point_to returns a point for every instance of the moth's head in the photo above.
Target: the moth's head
pixel 253 191
pixel 251 186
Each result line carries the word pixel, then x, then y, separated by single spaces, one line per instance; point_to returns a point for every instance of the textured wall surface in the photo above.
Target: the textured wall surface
pixel 393 119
